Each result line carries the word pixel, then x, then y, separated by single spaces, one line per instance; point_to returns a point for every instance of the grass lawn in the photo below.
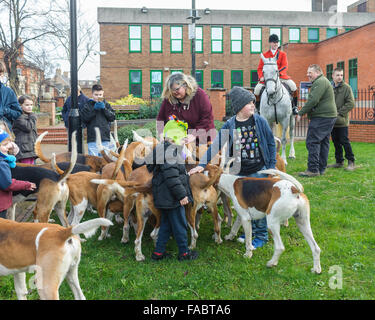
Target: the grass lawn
pixel 342 219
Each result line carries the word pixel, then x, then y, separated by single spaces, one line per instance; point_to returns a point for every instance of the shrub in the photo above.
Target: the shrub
pixel 130 100
pixel 150 111
pixel 126 132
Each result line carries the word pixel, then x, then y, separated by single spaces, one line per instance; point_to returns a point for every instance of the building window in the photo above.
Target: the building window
pixel 135 82
pixel 217 40
pixel 156 39
pixel 362 7
pixel 329 71
pixel 199 39
pixel 313 34
pixel 255 40
pixel 236 40
pixel 199 77
pixel 176 39
pixel 294 34
pixel 253 78
pixel 156 83
pixel 331 32
pixel 341 65
pixel 217 79
pixel 176 71
pixel 135 39
pixel 278 32
pixel 353 77
pixel 236 78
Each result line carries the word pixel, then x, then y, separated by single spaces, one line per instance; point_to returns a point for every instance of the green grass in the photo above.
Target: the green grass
pixel 342 219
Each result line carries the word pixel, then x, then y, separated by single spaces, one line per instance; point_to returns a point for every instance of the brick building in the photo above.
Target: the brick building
pixel 362 6
pixel 144 46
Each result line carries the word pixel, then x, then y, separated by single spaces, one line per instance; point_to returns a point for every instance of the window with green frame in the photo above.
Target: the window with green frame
pixel 331 32
pixel 253 78
pixel 353 75
pixel 341 65
pixel 329 71
pixel 199 39
pixel 156 39
pixel 236 78
pixel 235 40
pixel 176 71
pixel 294 35
pixel 176 39
pixel 217 79
pixel 156 83
pixel 199 77
pixel 216 39
pixel 313 34
pixel 135 83
pixel 255 40
pixel 135 38
pixel 278 32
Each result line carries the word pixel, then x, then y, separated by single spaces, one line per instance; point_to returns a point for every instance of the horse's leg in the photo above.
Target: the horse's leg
pixel 292 122
pixel 285 125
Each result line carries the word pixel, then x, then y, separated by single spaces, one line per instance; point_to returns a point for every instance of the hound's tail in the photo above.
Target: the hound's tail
pixel 89 227
pixel 284 176
pixel 278 144
pixel 73 159
pixel 38 148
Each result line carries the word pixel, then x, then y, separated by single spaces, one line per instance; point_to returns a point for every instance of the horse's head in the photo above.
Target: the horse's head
pixel 270 74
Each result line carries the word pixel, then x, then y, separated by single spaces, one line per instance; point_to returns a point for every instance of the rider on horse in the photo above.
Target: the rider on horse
pixel 282 63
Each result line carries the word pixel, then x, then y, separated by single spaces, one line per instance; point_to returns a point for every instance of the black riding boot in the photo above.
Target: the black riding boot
pixel 294 106
pixel 257 106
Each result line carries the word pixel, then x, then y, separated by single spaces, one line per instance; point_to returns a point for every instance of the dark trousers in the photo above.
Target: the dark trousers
pixel 3 214
pixel 173 222
pixel 340 138
pixel 317 143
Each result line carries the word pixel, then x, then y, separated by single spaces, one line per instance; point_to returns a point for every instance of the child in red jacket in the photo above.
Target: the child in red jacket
pixel 7 184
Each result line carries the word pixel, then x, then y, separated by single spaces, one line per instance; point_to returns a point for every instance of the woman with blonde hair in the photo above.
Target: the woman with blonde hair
pixel 186 101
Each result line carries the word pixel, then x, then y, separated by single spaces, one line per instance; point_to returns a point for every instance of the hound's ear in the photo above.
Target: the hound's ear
pixel 263 58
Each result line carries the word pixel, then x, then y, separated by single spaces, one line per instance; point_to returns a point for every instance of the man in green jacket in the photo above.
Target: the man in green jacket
pixel 321 110
pixel 340 134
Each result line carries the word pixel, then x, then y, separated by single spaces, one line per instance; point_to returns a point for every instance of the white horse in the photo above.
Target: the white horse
pixel 276 105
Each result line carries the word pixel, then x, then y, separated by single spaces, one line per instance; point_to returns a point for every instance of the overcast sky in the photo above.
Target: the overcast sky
pixel 91 69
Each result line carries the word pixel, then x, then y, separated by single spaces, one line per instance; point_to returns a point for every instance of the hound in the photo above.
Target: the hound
pixel 276 198
pixel 51 250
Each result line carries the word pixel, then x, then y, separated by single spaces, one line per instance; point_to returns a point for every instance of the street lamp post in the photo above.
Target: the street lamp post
pixel 74 118
pixel 193 18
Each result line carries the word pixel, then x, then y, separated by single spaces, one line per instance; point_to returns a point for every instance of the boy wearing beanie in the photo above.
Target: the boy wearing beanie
pixel 7 184
pixel 251 142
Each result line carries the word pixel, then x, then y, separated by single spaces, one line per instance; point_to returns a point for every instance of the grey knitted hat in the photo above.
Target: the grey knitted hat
pixel 240 97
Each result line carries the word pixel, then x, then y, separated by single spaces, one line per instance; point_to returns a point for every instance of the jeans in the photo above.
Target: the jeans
pixel 173 222
pixel 317 143
pixel 93 149
pixel 341 140
pixel 259 227
pixel 3 214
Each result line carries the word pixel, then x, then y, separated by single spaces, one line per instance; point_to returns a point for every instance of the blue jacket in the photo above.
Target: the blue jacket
pixel 5 175
pixel 10 109
pixel 267 142
pixel 82 100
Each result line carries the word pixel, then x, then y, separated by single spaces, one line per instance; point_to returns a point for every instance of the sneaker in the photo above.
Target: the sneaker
pixel 241 238
pixel 257 243
pixel 160 256
pixel 189 255
pixel 350 166
pixel 308 173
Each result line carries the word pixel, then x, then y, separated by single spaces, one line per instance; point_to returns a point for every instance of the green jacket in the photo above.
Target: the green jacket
pixel 344 99
pixel 321 100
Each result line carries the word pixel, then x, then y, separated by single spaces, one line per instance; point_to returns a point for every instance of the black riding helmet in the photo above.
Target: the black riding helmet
pixel 273 38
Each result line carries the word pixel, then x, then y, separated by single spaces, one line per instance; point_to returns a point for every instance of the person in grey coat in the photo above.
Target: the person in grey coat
pixel 25 131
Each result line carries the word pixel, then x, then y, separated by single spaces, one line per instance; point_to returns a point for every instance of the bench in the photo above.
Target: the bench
pixel 126 108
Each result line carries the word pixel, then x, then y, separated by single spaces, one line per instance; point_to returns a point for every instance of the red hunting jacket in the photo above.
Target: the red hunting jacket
pixel 282 63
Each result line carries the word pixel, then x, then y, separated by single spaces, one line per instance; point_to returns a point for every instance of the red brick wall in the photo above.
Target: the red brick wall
pixel 362 133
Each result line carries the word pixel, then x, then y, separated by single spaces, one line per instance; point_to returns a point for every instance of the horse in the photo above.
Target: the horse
pixel 276 104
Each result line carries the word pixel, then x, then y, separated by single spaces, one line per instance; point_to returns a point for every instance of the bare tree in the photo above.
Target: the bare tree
pixel 21 24
pixel 59 24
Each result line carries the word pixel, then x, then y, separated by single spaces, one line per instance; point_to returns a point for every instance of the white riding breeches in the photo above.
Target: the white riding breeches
pixel 290 83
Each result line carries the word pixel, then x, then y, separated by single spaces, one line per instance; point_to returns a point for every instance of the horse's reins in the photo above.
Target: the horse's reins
pixel 276 87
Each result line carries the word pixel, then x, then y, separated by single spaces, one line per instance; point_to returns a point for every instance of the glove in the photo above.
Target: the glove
pixel 99 105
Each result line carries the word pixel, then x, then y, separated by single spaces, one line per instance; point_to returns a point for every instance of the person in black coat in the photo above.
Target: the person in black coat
pixel 97 113
pixel 171 191
pixel 82 100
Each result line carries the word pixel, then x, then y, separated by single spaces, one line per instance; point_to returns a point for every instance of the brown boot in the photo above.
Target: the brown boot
pixel 350 166
pixel 336 165
pixel 309 173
